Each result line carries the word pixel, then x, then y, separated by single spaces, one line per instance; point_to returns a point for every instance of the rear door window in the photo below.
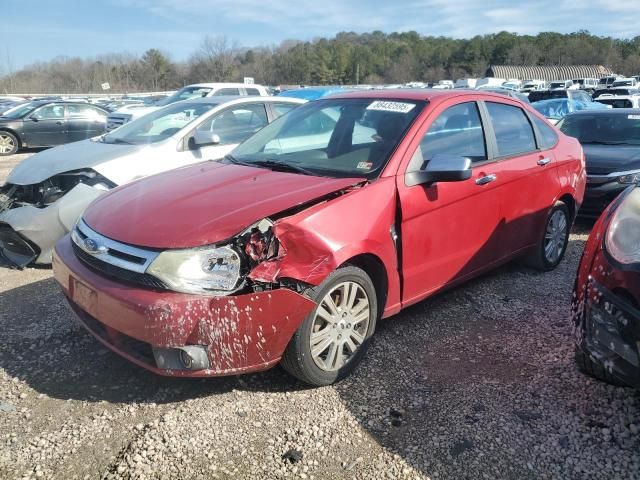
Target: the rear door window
pixel 252 91
pixel 513 131
pixel 280 109
pixel 236 124
pixel 548 136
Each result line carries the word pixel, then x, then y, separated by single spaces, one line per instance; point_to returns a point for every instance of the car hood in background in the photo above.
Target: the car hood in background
pixel 606 159
pixel 202 204
pixel 72 156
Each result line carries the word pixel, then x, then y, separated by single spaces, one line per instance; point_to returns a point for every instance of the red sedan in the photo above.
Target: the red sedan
pixel 342 212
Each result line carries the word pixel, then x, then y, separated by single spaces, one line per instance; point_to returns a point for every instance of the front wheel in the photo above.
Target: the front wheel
pixel 333 338
pixel 8 143
pixel 551 248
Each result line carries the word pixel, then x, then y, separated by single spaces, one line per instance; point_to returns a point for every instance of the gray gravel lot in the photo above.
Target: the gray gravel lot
pixel 475 383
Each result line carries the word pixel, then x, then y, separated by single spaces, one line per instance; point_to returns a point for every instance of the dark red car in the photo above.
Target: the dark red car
pixel 342 212
pixel 606 301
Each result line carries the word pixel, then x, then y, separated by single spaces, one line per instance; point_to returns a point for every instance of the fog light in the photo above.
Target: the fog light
pixel 189 357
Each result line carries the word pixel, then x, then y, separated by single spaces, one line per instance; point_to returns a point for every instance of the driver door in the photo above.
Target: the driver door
pixel 45 127
pixel 449 230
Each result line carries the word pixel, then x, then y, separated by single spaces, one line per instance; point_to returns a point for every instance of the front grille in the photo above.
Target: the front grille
pixel 132 346
pixel 112 271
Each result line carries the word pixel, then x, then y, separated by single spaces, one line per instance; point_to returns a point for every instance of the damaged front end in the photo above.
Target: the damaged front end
pixel 33 217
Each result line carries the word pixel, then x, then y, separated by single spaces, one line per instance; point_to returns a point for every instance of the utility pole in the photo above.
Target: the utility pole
pixel 357 74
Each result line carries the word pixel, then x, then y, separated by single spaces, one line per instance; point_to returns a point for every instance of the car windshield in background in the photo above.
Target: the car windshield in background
pixel 546 94
pixel 19 111
pixel 614 129
pixel 159 125
pixel 557 85
pixel 186 93
pixel 333 137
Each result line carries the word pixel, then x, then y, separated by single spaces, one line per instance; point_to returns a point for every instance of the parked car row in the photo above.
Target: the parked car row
pixel 327 217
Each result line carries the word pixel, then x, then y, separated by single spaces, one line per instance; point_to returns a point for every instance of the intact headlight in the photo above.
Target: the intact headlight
pixel 205 271
pixel 622 239
pixel 629 178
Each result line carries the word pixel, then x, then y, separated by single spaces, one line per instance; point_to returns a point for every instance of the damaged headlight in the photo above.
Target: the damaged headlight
pixel 205 271
pixel 622 239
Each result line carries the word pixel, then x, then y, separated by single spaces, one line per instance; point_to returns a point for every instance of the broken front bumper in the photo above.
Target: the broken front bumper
pixel 28 234
pixel 179 334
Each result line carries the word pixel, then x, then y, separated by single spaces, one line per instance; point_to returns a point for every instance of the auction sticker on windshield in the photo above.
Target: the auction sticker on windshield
pixel 386 106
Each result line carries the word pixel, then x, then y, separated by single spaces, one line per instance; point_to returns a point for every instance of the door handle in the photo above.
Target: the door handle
pixel 486 179
pixel 543 161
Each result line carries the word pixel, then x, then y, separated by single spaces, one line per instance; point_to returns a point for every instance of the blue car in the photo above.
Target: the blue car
pixel 314 93
pixel 556 108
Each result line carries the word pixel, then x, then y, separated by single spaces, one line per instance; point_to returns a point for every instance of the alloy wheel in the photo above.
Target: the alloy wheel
pixel 555 236
pixel 6 144
pixel 340 326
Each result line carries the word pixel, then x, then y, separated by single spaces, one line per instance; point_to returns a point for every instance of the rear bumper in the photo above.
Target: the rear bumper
pixel 241 333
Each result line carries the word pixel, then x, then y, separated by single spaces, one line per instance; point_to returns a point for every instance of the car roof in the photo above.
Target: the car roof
pixel 416 94
pixel 241 99
pixel 223 84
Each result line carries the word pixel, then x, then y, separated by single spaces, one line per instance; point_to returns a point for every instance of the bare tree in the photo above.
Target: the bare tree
pixel 217 55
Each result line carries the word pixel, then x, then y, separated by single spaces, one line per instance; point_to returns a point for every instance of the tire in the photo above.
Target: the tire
pixel 595 369
pixel 8 143
pixel 325 367
pixel 540 258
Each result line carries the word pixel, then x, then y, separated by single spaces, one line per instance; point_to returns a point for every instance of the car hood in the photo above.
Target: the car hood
pixel 72 156
pixel 202 204
pixel 605 159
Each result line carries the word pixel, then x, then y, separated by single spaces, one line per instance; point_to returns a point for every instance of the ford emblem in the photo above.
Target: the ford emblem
pixel 92 246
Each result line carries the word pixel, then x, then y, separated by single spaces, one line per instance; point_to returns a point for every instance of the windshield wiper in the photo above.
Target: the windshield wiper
pixel 281 166
pixel 603 142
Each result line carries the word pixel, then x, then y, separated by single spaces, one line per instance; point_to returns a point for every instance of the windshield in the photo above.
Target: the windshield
pixel 159 125
pixel 333 137
pixel 19 111
pixel 612 129
pixel 555 109
pixel 186 93
pixel 623 83
pixel 557 85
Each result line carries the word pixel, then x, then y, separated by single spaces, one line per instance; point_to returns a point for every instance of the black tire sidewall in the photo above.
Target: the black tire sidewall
pixel 314 374
pixel 543 257
pixel 15 143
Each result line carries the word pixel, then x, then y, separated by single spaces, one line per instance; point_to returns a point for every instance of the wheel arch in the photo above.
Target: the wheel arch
pixel 570 202
pixel 375 269
pixel 14 133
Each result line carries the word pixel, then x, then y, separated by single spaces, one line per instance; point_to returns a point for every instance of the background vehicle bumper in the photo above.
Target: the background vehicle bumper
pixel 240 333
pixel 598 198
pixel 607 317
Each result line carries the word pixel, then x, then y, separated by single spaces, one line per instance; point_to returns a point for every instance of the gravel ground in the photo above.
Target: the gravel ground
pixel 475 383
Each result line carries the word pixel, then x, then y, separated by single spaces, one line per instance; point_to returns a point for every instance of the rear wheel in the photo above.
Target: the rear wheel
pixel 553 244
pixel 333 338
pixel 8 143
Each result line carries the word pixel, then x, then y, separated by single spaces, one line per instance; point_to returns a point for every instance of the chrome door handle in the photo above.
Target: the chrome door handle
pixel 486 179
pixel 543 161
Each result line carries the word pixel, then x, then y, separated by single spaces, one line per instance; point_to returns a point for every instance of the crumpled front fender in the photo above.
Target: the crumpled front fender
pixel 45 226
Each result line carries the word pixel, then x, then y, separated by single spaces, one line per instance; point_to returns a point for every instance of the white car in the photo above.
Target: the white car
pixel 629 82
pixel 531 85
pixel 198 90
pixel 605 82
pixel 46 193
pixel 563 85
pixel 631 100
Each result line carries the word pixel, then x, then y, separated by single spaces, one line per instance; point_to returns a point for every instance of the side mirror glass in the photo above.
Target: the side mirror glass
pixel 441 168
pixel 202 138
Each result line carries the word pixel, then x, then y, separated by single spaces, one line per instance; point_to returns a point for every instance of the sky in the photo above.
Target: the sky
pixel 39 30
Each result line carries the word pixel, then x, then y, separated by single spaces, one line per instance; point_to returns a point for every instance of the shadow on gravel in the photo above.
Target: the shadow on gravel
pixel 43 345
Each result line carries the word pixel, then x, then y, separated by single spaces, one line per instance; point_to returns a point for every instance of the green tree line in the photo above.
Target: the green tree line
pixel 347 58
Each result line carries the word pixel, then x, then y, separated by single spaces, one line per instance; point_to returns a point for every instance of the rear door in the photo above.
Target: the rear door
pixel 527 171
pixel 449 231
pixel 84 121
pixel 45 126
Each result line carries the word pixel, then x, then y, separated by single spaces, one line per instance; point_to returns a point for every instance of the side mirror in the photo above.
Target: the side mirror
pixel 202 138
pixel 441 168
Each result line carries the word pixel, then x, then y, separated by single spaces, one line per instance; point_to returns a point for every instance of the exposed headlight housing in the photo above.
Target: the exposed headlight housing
pixel 203 271
pixel 622 239
pixel 629 178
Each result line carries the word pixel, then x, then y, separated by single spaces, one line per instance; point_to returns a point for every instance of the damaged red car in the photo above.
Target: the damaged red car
pixel 606 300
pixel 338 214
